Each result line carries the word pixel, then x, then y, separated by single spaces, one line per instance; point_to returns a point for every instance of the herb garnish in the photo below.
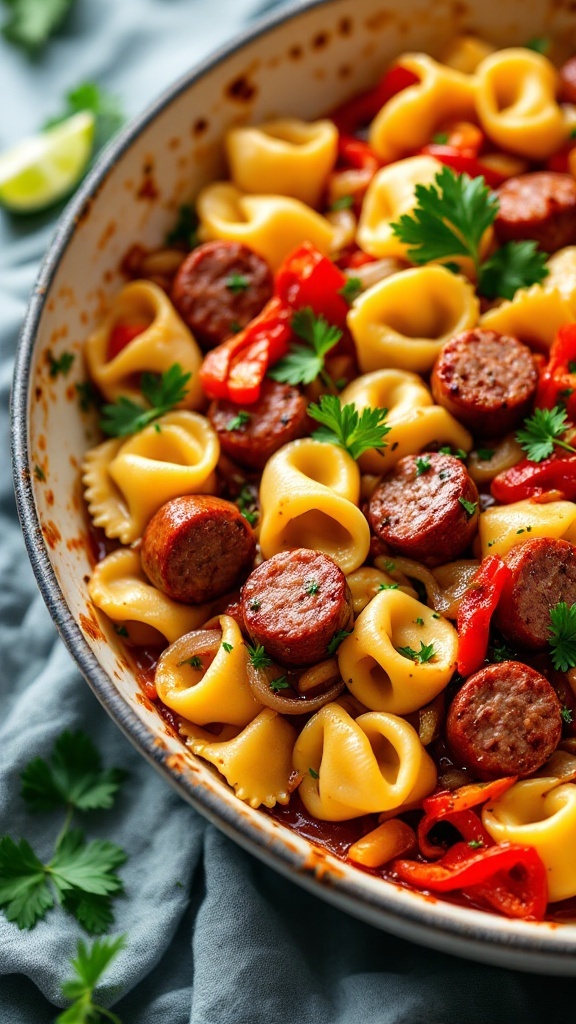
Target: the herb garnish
pixel 194 662
pixel 342 203
pixel 542 431
pixel 314 774
pixel 280 683
pixel 31 24
pixel 185 231
pixel 450 218
pixel 388 586
pixel 61 365
pixel 306 362
pixel 566 715
pixel 39 473
pixel 241 419
pixel 341 425
pixel 247 506
pixel 485 454
pixel 423 465
pixel 89 966
pixel 162 392
pixel 468 506
pixel 87 397
pixel 351 290
pixel 563 636
pixel 107 110
pixel 237 283
pixel 227 647
pixel 258 656
pixel 426 653
pixel 311 587
pixel 337 640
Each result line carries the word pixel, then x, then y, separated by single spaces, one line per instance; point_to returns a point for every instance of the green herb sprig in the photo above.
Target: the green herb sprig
pixel 162 392
pixel 542 431
pixel 426 653
pixel 562 640
pixel 89 965
pixel 345 427
pixel 304 363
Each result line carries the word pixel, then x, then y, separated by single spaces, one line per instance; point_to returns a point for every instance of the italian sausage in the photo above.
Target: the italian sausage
pixel 540 206
pixel 543 573
pixel 250 436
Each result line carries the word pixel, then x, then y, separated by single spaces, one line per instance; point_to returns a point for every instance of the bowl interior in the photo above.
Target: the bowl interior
pixel 298 62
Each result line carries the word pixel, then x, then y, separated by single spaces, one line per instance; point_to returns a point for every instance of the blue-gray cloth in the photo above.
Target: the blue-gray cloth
pixel 214 937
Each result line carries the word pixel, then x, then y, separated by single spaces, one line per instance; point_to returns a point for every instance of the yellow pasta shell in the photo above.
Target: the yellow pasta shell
pixel 533 315
pixel 504 526
pixel 391 194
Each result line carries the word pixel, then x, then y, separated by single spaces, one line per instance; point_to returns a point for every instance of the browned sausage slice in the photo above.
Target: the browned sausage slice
pixel 543 573
pixel 505 720
pixel 541 206
pixel 294 604
pixel 219 288
pixel 486 380
pixel 426 508
pixel 567 81
pixel 197 548
pixel 250 436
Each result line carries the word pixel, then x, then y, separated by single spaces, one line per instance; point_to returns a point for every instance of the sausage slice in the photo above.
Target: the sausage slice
pixel 294 604
pixel 485 380
pixel 197 548
pixel 426 508
pixel 505 720
pixel 219 288
pixel 250 436
pixel 543 573
pixel 541 206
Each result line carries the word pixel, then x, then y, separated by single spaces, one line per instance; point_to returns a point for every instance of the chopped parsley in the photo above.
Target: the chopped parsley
pixel 311 587
pixel 242 419
pixel 87 397
pixel 39 473
pixel 195 662
pixel 563 636
pixel 426 653
pixel 255 605
pixel 388 586
pixel 468 506
pixel 185 231
pixel 237 283
pixel 566 715
pixel 314 774
pixel 337 640
pixel 306 362
pixel 485 454
pixel 60 366
pixel 227 647
pixel 281 683
pixel 120 630
pixel 351 290
pixel 258 656
pixel 342 203
pixel 247 506
pixel 423 465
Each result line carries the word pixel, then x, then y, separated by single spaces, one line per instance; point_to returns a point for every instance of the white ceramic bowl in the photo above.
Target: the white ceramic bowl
pixel 302 60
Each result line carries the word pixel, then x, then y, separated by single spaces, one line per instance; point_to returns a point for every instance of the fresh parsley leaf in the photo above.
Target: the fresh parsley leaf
pixel 458 454
pixel 311 587
pixel 246 502
pixel 388 586
pixel 540 44
pixel 89 867
pixel 107 110
pixel 419 621
pixel 423 465
pixel 194 662
pixel 281 683
pixel 227 647
pixel 449 219
pixel 566 715
pixel 351 290
pixel 468 506
pixel 337 640
pixel 185 231
pixel 306 362
pixel 237 283
pixel 343 426
pixel 342 203
pixel 542 431
pixel 258 656
pixel 485 454
pixel 241 419
pixel 500 652
pixel 93 912
pixel 162 392
pixel 563 636
pixel 25 894
pixel 89 965
pixel 72 777
pixel 32 22
pixel 61 365
pixel 39 473
pixel 426 653
pixel 513 266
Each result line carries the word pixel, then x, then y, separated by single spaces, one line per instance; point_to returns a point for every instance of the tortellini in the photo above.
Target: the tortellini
pixel 286 157
pixel 503 526
pixel 390 195
pixel 309 495
pixel 257 763
pixel 378 673
pixel 127 481
pixel 217 693
pixel 516 102
pixel 408 120
pixel 120 588
pixel 165 341
pixel 353 767
pixel 405 320
pixel 414 420
pixel 533 315
pixel 271 225
pixel 540 813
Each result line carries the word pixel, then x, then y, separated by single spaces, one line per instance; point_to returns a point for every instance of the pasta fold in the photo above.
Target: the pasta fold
pixel 165 341
pixel 271 225
pixel 408 120
pixel 353 767
pixel 504 526
pixel 390 194
pixel 287 157
pixel 533 315
pixel 414 420
pixel 218 693
pixel 377 673
pixel 464 53
pixel 120 588
pixel 258 762
pixel 405 320
pixel 127 481
pixel 516 102
pixel 309 495
pixel 540 813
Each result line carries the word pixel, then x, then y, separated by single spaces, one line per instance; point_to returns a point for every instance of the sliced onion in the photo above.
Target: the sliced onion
pixel 506 454
pixel 292 701
pixel 371 273
pixel 430 719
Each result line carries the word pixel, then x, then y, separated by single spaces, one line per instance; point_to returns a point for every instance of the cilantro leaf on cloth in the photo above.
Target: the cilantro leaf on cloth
pixel 31 22
pixel 25 894
pixel 89 965
pixel 107 110
pixel 72 777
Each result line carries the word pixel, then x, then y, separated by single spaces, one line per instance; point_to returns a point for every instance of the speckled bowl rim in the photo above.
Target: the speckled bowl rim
pixel 444 926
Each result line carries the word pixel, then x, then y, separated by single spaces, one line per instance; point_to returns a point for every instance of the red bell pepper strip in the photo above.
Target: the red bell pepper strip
pixel 510 877
pixel 356 154
pixel 467 823
pixel 353 257
pixel 361 109
pixel 446 801
pixel 121 335
pixel 559 160
pixel 475 611
pixel 533 479
pixel 557 382
pixel 463 162
pixel 236 368
pixel 307 278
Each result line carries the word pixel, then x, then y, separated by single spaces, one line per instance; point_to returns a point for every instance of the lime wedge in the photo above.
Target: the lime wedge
pixel 40 170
